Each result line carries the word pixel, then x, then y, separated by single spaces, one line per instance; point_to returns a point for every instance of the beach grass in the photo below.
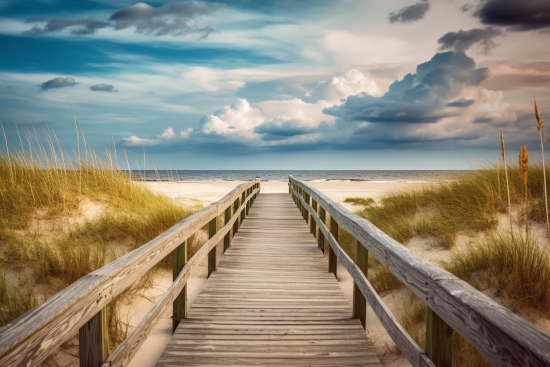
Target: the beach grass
pixel 469 203
pixel 64 214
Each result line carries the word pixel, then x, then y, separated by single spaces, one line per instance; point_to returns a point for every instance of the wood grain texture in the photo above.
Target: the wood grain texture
pixel 359 301
pixel 93 341
pixel 499 334
pixel 439 340
pixel 404 342
pixel 271 302
pixel 127 349
pixel 33 336
pixel 179 306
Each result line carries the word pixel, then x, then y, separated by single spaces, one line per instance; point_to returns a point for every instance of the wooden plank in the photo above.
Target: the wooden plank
pixel 332 258
pixel 499 334
pixel 228 236
pixel 212 229
pixel 35 335
pixel 416 356
pixel 127 349
pixel 93 341
pixel 439 340
pixel 359 301
pixel 179 306
pixel 271 300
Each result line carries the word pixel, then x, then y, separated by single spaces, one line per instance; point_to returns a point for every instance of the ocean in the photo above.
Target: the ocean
pixel 305 175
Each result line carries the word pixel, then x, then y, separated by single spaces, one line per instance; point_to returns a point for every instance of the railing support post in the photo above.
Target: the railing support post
pixel 212 229
pixel 179 307
pixel 321 238
pixel 332 259
pixel 247 203
pixel 439 340
pixel 243 212
pixel 359 301
pixel 93 341
pixel 306 213
pixel 236 224
pixel 227 238
pixel 314 223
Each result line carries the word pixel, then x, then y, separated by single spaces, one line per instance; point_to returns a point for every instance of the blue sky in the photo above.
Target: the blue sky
pixel 281 84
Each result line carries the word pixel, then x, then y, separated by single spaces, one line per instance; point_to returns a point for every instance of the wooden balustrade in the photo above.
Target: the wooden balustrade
pixel 453 305
pixel 80 308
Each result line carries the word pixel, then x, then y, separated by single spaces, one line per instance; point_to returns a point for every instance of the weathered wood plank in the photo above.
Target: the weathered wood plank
pixel 271 295
pixel 33 336
pixel 179 307
pixel 93 341
pixel 127 349
pixel 499 334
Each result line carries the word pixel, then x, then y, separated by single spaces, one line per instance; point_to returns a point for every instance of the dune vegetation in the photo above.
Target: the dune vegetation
pixel 509 262
pixel 64 214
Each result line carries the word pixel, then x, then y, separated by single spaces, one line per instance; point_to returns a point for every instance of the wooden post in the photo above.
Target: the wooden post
pixel 332 259
pixel 93 340
pixel 359 301
pixel 308 214
pixel 439 340
pixel 314 223
pixel 212 229
pixel 247 203
pixel 236 205
pixel 179 306
pixel 227 238
pixel 321 238
pixel 243 211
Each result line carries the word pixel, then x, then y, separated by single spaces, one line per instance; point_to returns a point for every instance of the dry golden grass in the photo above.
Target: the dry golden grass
pixel 41 182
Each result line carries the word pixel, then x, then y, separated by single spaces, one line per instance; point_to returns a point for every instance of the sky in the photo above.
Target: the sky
pixel 280 84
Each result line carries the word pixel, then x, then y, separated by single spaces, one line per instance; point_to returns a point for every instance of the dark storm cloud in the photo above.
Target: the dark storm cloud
pixel 78 26
pixel 103 88
pixel 463 40
pixel 410 13
pixel 58 83
pixel 417 98
pixel 175 19
pixel 521 15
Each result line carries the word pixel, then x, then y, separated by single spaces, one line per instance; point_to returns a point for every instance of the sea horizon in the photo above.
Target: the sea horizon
pixel 305 175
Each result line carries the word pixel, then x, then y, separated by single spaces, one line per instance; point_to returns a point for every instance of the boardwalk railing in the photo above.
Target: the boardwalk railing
pixel 453 305
pixel 80 308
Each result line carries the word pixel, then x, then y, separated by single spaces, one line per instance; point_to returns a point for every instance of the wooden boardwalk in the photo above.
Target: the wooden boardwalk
pixel 271 301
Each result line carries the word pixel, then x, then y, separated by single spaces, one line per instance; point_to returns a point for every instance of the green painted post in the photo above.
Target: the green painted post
pixel 212 229
pixel 236 205
pixel 332 259
pixel 243 211
pixel 321 238
pixel 179 306
pixel 439 340
pixel 359 301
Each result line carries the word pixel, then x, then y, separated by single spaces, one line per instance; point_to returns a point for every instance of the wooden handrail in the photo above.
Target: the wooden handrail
pixel 501 336
pixel 32 337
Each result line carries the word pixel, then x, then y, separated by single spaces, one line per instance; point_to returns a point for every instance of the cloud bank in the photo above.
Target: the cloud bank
pixel 444 103
pixel 174 19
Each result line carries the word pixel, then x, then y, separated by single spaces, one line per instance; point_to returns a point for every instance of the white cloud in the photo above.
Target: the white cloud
pixel 350 83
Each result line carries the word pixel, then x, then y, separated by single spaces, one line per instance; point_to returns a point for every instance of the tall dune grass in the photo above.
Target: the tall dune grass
pixel 470 203
pixel 42 182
